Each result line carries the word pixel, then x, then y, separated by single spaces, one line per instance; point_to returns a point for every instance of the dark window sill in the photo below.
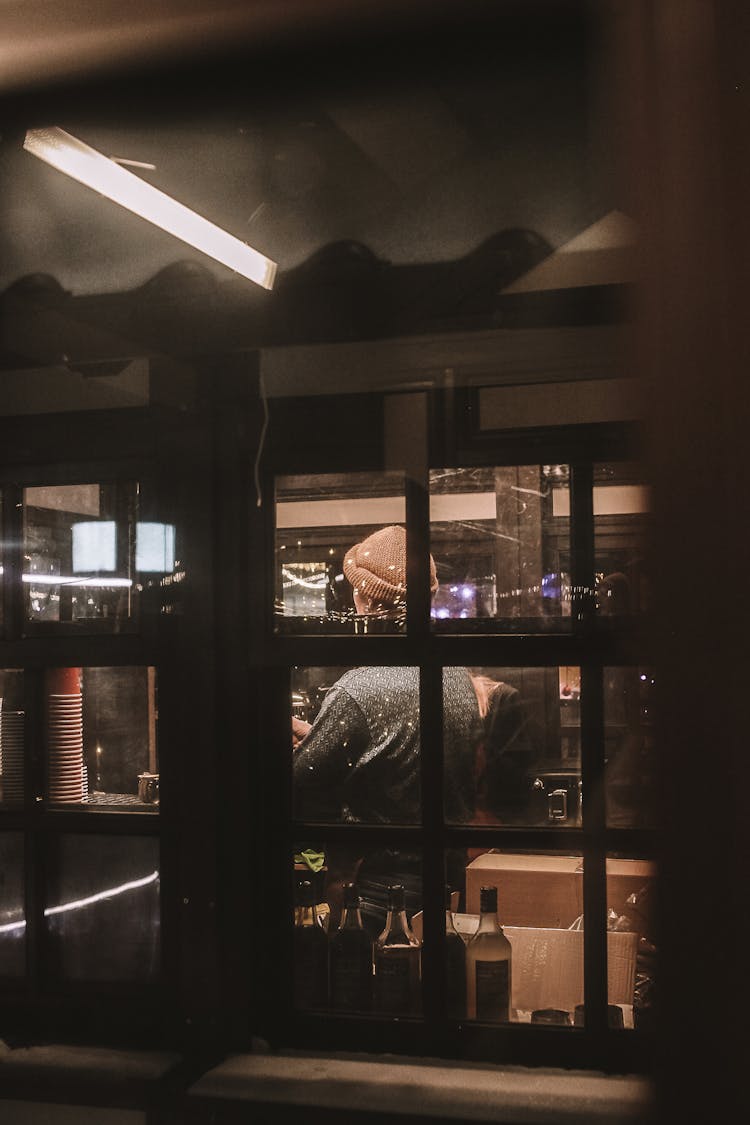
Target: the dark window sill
pixel 390 1086
pixel 81 1075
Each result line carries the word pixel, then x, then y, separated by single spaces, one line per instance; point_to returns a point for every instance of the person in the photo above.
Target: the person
pixel 359 761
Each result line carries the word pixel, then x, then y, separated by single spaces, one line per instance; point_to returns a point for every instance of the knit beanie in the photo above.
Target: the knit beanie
pixel 376 567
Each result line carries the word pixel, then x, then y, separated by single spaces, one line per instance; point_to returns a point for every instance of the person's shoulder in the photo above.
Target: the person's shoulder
pixel 358 681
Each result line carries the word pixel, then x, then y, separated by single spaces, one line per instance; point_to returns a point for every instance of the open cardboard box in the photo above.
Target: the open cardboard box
pixel 547 966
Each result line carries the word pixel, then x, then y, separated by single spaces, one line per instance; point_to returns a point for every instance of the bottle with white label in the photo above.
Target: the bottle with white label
pixel 488 965
pixel 397 958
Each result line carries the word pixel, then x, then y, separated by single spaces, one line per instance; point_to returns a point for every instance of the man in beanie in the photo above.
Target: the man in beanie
pixel 376 570
pixel 359 761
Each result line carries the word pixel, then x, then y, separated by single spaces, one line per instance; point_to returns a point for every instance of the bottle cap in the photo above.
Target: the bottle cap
pixel 396 897
pixel 488 900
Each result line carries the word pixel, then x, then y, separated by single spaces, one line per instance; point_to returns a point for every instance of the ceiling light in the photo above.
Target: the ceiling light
pixel 92 168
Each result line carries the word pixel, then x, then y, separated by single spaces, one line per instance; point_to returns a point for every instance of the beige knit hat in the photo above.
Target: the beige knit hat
pixel 376 567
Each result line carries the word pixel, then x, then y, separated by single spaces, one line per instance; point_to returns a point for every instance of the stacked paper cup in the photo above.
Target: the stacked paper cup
pixel 64 737
pixel 11 736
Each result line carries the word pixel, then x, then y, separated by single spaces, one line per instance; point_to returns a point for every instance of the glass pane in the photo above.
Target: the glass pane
pixel 101 737
pixel 12 736
pixel 351 954
pixel 102 908
pixel 12 912
pixel 629 717
pixel 78 545
pixel 631 948
pixel 538 902
pixel 340 553
pixel 355 739
pixel 622 504
pixel 501 543
pixel 523 764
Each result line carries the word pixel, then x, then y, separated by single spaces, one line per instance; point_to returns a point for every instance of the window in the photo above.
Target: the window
pixel 495 738
pixel 181 581
pixel 92 586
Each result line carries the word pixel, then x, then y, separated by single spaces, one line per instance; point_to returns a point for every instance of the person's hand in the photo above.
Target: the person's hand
pixel 299 730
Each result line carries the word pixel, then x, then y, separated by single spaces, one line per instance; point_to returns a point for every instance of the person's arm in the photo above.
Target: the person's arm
pixel 324 757
pixel 322 761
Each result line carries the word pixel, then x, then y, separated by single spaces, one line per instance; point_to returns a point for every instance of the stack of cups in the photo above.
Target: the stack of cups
pixel 11 738
pixel 65 737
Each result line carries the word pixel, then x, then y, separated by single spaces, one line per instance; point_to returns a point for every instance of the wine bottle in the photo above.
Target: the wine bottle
pixel 488 965
pixel 455 965
pixel 350 959
pixel 397 956
pixel 310 952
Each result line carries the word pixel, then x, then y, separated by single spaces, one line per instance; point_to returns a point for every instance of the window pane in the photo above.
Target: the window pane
pixel 631 894
pixel 523 766
pixel 622 503
pixel 540 909
pixel 78 544
pixel 629 716
pixel 12 913
pixel 101 737
pixel 339 538
pixel 355 737
pixel 102 908
pixel 501 543
pixel 346 964
pixel 12 736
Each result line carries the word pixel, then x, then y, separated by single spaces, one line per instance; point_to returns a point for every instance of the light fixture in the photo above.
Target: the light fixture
pixel 92 168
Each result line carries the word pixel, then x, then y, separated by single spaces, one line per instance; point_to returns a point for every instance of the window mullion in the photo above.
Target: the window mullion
pixel 594 855
pixel 433 857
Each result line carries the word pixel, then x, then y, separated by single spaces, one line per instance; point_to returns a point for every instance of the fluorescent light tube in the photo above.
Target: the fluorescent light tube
pixel 92 168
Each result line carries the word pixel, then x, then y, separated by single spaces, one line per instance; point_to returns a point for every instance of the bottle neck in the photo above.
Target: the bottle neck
pixel 397 923
pixel 488 922
pixel 351 918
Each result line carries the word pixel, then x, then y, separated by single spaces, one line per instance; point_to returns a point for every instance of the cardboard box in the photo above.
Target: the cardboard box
pixel 547 890
pixel 532 890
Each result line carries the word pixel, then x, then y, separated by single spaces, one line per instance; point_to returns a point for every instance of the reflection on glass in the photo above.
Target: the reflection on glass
pixel 102 908
pixel 524 765
pixel 12 913
pixel 340 553
pixel 631 948
pixel 87 558
pixel 101 744
pixel 356 744
pixel 345 900
pixel 622 504
pixel 77 552
pixel 537 900
pixel 630 771
pixel 501 542
pixel 12 736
